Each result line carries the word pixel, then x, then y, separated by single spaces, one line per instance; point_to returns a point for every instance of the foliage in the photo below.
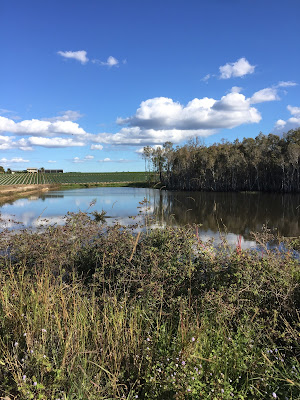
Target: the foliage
pixel 266 163
pixel 89 311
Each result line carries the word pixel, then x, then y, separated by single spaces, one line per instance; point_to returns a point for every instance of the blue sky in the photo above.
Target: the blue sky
pixel 84 85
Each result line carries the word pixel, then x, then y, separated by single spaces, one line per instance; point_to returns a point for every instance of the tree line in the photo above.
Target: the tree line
pixel 266 163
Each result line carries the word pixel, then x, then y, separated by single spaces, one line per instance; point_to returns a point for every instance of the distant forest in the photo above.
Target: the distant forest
pixel 266 163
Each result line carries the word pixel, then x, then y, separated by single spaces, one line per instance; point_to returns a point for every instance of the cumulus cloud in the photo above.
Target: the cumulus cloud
pixel 110 62
pixel 76 55
pixel 291 123
pixel 40 128
pixel 162 113
pixel 161 119
pixel 267 94
pixel 96 147
pixel 237 69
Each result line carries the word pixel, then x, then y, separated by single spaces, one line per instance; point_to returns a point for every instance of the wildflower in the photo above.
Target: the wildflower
pixel 16 344
pixel 274 395
pixel 183 362
pixel 25 334
pixel 31 351
pixel 24 377
pixel 222 390
pixel 193 339
pixel 44 330
pixel 34 383
pixel 148 339
pixel 136 396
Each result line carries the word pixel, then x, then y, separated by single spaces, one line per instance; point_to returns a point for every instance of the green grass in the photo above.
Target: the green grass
pixel 95 312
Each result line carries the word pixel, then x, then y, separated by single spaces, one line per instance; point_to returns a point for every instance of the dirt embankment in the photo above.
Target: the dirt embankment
pixel 10 192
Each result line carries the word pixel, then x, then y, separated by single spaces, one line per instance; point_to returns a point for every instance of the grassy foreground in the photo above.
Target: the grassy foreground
pixel 95 312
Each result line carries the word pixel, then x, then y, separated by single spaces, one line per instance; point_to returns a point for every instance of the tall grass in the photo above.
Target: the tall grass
pixel 95 312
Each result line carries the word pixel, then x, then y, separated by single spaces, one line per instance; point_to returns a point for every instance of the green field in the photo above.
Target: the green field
pixel 71 178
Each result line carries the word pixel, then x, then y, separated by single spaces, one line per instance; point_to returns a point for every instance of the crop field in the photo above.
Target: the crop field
pixel 71 178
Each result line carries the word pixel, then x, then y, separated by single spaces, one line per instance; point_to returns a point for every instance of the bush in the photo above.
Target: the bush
pixel 95 312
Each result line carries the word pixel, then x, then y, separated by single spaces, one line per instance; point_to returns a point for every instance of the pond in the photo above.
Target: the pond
pixel 233 214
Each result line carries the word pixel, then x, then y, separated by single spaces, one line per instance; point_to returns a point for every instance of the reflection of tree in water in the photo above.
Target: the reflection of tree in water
pixel 238 213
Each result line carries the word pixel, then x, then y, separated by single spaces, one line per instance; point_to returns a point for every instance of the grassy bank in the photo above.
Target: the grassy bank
pixel 95 312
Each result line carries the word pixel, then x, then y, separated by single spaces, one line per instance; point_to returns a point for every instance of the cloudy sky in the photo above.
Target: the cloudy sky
pixel 84 85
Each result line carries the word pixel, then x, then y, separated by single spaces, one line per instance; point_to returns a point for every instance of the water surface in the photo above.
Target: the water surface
pixel 231 213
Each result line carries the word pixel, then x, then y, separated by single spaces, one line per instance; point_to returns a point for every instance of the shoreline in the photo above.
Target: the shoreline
pixel 12 192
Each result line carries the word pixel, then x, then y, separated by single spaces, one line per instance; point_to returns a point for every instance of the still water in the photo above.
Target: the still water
pixel 232 214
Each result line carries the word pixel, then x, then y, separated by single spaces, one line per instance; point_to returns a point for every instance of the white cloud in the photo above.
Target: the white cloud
pixel 68 115
pixel 81 160
pixel 236 89
pixel 237 69
pixel 110 62
pixel 206 78
pixel 286 84
pixel 40 128
pixel 294 111
pixel 161 119
pixel 76 55
pixel 162 113
pixel 291 123
pixel 267 94
pixel 51 161
pixel 55 142
pixel 13 160
pixel 105 160
pixel 96 147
